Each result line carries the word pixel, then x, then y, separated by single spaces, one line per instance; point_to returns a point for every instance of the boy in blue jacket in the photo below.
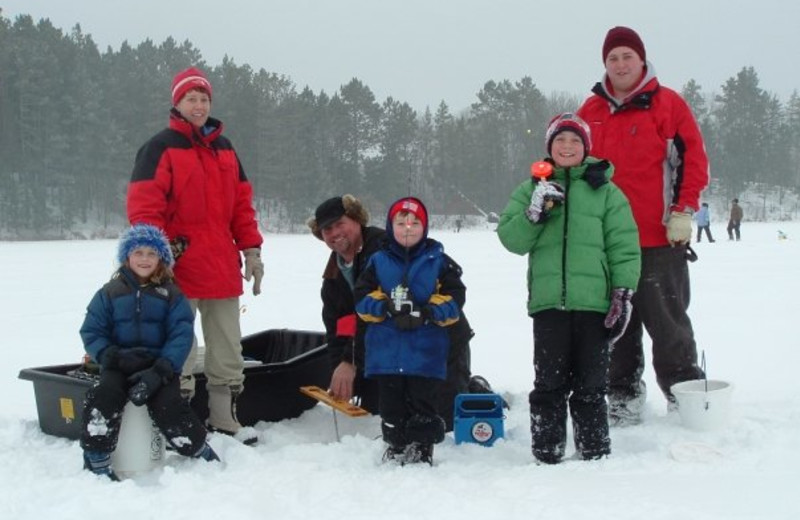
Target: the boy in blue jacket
pixel 409 292
pixel 139 329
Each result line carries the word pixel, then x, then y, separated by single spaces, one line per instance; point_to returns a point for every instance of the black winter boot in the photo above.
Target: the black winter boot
pixel 394 453
pixel 417 452
pixel 207 453
pixel 99 463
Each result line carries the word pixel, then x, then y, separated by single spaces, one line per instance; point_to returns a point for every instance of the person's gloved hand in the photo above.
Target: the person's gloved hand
pixel 619 313
pixel 253 268
pixel 409 321
pixel 132 360
pixel 405 315
pixel 679 228
pixel 109 357
pixel 393 309
pixel 544 197
pixel 178 246
pixel 145 383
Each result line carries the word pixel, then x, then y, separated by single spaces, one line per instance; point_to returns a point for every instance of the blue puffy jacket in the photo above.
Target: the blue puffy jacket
pixel 422 351
pixel 154 317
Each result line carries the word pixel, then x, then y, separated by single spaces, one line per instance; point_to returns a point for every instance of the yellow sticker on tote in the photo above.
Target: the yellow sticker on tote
pixel 67 409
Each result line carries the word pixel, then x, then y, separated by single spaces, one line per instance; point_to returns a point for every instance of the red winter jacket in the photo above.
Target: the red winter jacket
pixel 193 186
pixel 654 142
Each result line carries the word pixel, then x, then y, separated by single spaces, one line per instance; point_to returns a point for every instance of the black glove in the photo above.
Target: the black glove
pixel 619 313
pixel 403 312
pixel 410 321
pixel 394 310
pixel 109 357
pixel 145 383
pixel 178 245
pixel 132 360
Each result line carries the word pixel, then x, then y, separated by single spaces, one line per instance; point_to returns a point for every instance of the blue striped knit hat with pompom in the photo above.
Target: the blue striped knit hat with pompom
pixel 144 235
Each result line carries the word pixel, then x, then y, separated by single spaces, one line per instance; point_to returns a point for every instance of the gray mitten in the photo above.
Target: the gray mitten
pixel 544 197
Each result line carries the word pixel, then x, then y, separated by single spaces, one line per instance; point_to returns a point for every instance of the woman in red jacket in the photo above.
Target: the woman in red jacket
pixel 650 135
pixel 188 180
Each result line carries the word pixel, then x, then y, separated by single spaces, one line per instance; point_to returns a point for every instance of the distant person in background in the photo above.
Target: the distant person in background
pixel 139 328
pixel 188 180
pixel 735 220
pixel 459 222
pixel 703 219
pixel 649 134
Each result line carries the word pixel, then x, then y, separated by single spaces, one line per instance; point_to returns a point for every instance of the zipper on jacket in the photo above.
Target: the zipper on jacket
pixel 564 244
pixel 139 315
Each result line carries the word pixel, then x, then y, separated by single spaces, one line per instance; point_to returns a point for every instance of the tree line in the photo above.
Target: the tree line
pixel 72 118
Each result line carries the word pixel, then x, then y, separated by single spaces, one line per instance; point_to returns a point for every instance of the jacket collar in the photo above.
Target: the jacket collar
pixel 211 131
pixel 641 96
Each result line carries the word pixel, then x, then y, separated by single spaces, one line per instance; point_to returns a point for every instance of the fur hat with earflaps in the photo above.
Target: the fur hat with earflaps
pixel 335 208
pixel 145 235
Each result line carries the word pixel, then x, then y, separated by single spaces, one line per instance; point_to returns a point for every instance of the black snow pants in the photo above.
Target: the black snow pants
pixel 660 305
pixel 105 401
pixel 571 366
pixel 408 410
pixel 458 370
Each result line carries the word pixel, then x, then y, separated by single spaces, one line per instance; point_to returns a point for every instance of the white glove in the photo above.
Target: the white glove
pixel 544 197
pixel 253 268
pixel 679 228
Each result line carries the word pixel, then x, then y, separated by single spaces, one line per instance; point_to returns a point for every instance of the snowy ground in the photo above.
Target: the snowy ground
pixel 744 297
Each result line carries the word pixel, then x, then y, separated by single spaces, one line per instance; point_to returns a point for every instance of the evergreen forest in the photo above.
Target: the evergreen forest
pixel 72 117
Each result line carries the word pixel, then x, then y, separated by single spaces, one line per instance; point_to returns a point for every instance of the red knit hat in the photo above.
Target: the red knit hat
pixel 186 80
pixel 412 205
pixel 568 122
pixel 623 37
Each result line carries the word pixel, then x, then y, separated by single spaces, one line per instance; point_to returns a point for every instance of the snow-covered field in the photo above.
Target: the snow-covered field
pixel 744 311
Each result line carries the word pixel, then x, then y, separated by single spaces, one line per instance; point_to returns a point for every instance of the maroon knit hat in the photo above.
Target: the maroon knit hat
pixel 186 80
pixel 623 37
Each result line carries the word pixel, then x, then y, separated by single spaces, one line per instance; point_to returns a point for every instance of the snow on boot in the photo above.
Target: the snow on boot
pixel 623 413
pixel 394 454
pixel 222 413
pixel 417 452
pixel 207 453
pixel 99 463
pixel 548 456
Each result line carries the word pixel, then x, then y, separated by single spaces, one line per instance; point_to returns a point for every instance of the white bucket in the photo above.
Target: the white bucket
pixel 703 404
pixel 140 446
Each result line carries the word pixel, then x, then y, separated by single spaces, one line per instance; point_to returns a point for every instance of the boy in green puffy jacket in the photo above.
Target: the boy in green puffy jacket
pixel 584 262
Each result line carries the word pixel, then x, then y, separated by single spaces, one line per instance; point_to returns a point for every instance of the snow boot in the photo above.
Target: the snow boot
pixel 625 408
pixel 548 457
pixel 207 453
pixel 222 413
pixel 419 452
pixel 99 463
pixel 394 454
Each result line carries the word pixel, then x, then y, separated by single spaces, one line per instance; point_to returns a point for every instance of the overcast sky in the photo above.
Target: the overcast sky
pixel 425 51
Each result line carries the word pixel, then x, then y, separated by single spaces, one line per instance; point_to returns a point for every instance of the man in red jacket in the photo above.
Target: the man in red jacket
pixel 650 135
pixel 188 181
